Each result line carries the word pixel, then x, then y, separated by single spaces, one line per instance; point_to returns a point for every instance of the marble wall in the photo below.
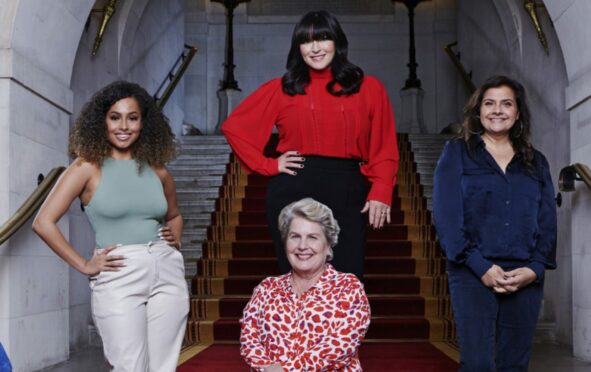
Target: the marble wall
pixel 377 43
pixel 35 104
pixel 570 19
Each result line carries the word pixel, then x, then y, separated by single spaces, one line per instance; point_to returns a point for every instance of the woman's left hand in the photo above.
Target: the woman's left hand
pixel 520 277
pixel 165 233
pixel 379 213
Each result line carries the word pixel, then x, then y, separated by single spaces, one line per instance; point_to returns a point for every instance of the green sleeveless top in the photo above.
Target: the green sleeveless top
pixel 128 207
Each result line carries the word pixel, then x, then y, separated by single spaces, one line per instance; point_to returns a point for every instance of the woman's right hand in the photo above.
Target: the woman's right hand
pixel 496 279
pixel 290 159
pixel 102 261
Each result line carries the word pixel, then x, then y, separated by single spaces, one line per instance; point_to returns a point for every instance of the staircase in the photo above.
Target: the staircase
pixel 198 173
pixel 405 273
pixel 426 149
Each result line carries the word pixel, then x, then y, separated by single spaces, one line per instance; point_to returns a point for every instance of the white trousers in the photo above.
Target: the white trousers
pixel 141 310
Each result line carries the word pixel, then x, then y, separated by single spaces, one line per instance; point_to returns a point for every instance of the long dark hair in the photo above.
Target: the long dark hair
pixel 519 134
pixel 156 144
pixel 321 25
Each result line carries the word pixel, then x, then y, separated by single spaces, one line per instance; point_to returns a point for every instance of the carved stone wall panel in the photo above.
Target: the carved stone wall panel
pixel 298 7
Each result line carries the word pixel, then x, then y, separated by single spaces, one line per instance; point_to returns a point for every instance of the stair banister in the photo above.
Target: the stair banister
pixel 33 202
pixel 455 59
pixel 174 75
pixel 570 174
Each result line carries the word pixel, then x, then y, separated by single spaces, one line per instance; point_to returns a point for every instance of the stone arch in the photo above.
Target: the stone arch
pixel 48 42
pixel 131 14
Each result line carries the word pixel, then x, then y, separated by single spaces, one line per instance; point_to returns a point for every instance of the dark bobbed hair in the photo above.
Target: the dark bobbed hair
pixel 314 26
pixel 155 145
pixel 519 134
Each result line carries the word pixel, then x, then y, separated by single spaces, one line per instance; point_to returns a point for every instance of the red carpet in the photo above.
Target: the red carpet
pixel 405 275
pixel 375 357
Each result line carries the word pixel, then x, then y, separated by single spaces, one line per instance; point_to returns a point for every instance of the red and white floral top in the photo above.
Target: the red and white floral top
pixel 319 331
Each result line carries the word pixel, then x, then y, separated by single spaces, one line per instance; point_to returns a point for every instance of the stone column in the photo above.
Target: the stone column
pixel 35 109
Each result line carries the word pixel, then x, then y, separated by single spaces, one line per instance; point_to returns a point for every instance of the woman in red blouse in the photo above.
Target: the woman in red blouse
pixel 313 318
pixel 333 119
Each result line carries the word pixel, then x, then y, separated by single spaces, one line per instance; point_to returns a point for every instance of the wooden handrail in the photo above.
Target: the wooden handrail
pixel 460 67
pixel 584 173
pixel 174 75
pixel 30 205
pixel 570 174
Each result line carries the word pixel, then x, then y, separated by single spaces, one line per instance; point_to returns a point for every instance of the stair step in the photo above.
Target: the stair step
pixel 197 221
pixel 190 182
pixel 191 160
pixel 209 203
pixel 191 252
pixel 258 204
pixel 208 149
pixel 203 140
pixel 381 305
pixel 399 328
pixel 374 248
pixel 419 138
pixel 197 194
pixel 197 170
pixel 268 266
pixel 244 284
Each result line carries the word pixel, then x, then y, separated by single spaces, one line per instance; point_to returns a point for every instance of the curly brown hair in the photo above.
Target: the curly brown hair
pixel 156 144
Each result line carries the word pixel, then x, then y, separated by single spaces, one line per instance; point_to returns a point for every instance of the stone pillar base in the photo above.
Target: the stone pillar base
pixel 229 99
pixel 411 120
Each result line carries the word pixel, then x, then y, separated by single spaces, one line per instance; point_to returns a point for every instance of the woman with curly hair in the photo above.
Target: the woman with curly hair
pixel 120 143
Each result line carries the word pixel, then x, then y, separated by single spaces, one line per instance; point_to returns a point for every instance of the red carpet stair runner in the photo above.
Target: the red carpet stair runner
pixel 405 273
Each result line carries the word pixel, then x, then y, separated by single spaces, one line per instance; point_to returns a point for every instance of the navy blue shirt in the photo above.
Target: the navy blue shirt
pixel 485 216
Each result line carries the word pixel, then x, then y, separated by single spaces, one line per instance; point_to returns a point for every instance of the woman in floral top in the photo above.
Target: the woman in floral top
pixel 313 318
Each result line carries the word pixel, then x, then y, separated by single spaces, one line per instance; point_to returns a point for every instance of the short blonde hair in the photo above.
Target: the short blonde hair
pixel 313 211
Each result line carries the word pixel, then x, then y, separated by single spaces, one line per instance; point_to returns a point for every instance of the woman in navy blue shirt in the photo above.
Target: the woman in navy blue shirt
pixel 494 211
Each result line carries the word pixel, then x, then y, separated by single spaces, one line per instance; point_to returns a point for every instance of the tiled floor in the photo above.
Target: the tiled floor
pixel 545 358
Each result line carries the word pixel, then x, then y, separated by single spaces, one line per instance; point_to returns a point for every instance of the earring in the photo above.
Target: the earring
pixel 520 130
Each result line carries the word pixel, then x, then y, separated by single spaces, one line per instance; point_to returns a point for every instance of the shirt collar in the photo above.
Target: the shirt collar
pixel 323 282
pixel 325 74
pixel 477 138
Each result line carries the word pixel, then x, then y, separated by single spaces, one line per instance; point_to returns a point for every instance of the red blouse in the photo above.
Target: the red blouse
pixel 320 330
pixel 359 126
